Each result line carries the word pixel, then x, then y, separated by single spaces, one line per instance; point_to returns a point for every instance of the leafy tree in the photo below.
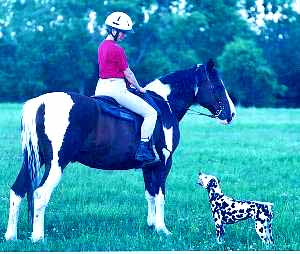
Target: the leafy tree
pixel 46 46
pixel 278 35
pixel 7 72
pixel 54 50
pixel 180 38
pixel 249 77
pixel 280 42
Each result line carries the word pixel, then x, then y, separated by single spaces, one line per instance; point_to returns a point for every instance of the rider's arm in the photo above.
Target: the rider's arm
pixel 129 75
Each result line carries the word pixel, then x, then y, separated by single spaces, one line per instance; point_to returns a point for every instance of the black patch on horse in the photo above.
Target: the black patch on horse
pixel 45 145
pixel 75 134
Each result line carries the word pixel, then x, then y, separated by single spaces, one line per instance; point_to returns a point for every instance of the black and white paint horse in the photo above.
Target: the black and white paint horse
pixel 59 127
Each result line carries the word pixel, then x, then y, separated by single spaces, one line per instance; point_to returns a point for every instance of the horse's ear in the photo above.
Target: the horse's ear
pixel 210 64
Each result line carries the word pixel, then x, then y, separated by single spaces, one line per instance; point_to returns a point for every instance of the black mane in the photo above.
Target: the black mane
pixel 182 84
pixel 180 80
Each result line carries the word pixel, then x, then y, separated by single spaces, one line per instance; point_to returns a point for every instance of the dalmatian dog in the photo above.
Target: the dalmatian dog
pixel 226 210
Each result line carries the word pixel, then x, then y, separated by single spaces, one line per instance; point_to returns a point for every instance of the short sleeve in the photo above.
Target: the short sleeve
pixel 123 63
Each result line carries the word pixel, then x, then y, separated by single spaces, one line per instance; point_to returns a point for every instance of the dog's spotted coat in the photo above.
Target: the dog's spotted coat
pixel 226 210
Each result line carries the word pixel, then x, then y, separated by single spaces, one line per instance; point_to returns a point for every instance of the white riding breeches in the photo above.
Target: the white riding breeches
pixel 116 88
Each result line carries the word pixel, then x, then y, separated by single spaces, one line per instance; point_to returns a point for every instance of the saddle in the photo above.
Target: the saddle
pixel 110 106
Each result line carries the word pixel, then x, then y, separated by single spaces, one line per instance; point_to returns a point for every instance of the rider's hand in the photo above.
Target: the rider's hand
pixel 142 90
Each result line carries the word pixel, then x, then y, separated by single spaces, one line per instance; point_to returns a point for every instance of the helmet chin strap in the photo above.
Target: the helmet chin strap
pixel 116 34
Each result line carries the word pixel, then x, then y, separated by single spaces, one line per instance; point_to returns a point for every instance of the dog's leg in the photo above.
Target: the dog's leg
pixel 220 233
pixel 262 231
pixel 270 225
pixel 219 227
pixel 269 232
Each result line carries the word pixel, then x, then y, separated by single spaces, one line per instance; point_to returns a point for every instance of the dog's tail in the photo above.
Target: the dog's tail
pixel 265 203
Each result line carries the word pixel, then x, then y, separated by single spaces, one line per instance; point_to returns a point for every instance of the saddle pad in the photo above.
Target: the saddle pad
pixel 113 108
pixel 110 106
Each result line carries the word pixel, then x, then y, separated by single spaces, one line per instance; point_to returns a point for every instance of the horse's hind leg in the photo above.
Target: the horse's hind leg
pixel 17 193
pixel 14 206
pixel 41 198
pixel 53 173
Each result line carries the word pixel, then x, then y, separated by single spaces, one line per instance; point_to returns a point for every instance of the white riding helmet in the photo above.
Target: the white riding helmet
pixel 120 21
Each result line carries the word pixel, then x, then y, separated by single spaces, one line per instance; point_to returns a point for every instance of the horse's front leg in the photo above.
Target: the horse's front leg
pixel 160 213
pixel 155 179
pixel 151 209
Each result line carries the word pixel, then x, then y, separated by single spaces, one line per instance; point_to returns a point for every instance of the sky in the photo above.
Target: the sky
pixel 297 6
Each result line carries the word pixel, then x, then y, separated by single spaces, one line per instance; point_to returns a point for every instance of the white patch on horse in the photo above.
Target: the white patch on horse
pixel 158 87
pixel 29 136
pixel 15 201
pixel 196 89
pixel 231 105
pixel 151 209
pixel 169 142
pixel 57 109
pixel 160 213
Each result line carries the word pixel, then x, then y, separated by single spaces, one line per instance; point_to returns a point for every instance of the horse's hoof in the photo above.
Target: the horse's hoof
pixel 151 223
pixel 163 231
pixel 35 239
pixel 10 237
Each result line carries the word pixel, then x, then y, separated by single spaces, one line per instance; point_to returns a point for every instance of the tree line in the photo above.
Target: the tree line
pixel 51 45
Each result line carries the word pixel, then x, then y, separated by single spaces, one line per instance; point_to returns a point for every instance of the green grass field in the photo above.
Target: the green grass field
pixel 257 157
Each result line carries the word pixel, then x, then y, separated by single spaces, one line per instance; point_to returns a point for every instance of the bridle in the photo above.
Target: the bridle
pixel 196 87
pixel 192 111
pixel 195 112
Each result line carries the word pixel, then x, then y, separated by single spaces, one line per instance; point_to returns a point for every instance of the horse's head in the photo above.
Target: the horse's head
pixel 211 93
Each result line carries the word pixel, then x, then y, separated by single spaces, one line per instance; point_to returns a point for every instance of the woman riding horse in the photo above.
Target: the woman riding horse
pixel 113 70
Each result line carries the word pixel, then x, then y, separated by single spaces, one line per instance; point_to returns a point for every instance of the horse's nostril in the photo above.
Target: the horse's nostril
pixel 233 114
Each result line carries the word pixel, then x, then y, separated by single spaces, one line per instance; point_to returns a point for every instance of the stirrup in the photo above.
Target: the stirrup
pixel 144 153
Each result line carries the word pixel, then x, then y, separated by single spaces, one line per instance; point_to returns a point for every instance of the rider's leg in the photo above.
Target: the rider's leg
pixel 142 108
pixel 136 104
pixel 116 88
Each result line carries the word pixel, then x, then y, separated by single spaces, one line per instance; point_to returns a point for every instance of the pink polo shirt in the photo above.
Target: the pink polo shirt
pixel 112 60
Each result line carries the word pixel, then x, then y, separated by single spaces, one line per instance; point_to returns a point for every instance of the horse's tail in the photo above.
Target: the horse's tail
pixel 30 148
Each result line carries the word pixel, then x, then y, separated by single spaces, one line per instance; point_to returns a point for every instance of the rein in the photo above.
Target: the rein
pixel 195 112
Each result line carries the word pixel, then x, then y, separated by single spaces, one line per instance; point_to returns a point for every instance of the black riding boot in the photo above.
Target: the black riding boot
pixel 144 153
